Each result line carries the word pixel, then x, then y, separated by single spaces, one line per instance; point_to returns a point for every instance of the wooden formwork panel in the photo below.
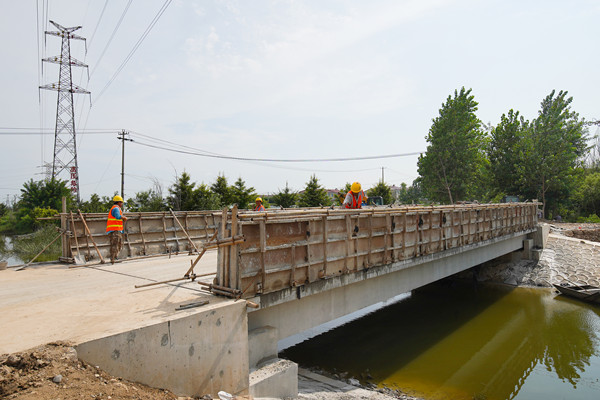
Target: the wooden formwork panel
pixel 145 234
pixel 283 250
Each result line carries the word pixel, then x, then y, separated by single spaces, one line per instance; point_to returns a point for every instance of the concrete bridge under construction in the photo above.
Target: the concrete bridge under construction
pixel 279 273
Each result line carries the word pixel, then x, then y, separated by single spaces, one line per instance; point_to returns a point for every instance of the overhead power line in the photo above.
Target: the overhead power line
pixel 97 24
pixel 49 131
pixel 298 160
pixel 136 46
pixel 111 36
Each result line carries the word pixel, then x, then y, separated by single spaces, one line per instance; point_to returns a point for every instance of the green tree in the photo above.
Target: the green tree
pixel 383 190
pixel 552 151
pixel 37 196
pixel 451 168
pixel 96 204
pixel 181 194
pixel 504 152
pixel 587 194
pixel 285 198
pixel 145 201
pixel 410 194
pixel 205 199
pixel 314 195
pixel 241 195
pixel 44 194
pixel 222 189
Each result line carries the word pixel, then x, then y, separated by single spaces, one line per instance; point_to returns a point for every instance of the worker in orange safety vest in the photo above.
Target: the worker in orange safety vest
pixel 355 197
pixel 114 227
pixel 259 206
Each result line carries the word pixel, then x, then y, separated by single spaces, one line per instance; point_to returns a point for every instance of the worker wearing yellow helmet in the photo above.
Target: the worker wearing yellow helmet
pixel 259 206
pixel 355 197
pixel 114 227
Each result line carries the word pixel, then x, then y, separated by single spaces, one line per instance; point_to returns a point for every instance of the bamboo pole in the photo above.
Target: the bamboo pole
pixel 38 254
pixel 191 269
pixel 191 278
pixel 74 230
pixel 91 237
pixel 184 231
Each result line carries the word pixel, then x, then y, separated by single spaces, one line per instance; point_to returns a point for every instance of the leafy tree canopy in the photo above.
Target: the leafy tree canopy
pixel 504 151
pixel 383 190
pixel 44 194
pixel 452 165
pixel 314 195
pixel 551 151
pixel 241 195
pixel 285 198
pixel 222 189
pixel 205 199
pixel 146 201
pixel 181 194
pixel 410 194
pixel 96 204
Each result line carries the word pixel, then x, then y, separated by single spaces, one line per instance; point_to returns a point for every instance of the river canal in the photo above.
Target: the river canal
pixel 458 340
pixel 6 253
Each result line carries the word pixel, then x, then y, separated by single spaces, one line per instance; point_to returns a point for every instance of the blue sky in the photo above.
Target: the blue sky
pixel 281 79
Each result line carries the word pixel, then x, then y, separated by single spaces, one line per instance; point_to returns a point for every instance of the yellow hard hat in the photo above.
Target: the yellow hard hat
pixel 355 187
pixel 258 199
pixel 117 198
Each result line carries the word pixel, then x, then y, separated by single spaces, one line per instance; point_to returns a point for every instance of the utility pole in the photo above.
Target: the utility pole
pixel 382 168
pixel 65 145
pixel 122 138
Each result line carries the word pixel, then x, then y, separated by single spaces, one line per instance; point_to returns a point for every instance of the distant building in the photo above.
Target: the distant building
pixel 395 190
pixel 333 194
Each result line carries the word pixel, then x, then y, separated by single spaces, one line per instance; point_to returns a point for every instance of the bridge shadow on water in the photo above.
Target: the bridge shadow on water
pixel 391 337
pixel 463 339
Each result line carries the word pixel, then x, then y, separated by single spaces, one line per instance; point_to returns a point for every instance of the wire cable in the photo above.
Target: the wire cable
pixel 111 36
pixel 39 63
pixel 97 24
pixel 135 47
pixel 299 160
pixel 89 45
pixel 46 131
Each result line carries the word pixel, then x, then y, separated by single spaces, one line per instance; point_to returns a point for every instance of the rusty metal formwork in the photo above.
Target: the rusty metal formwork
pixel 146 233
pixel 283 249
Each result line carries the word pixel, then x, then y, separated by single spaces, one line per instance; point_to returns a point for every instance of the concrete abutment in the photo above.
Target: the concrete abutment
pixel 199 353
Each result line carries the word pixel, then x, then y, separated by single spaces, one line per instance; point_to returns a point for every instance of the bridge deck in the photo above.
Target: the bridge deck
pixel 287 249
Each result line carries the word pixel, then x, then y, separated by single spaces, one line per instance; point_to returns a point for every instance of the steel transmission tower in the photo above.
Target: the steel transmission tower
pixel 65 148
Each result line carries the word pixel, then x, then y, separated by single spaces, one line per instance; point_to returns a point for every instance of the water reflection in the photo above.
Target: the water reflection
pixel 6 251
pixel 573 341
pixel 461 341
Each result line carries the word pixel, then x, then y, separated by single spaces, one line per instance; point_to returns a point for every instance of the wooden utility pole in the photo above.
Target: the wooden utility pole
pixel 122 138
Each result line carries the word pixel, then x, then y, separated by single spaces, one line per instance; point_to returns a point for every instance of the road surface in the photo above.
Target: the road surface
pixel 46 303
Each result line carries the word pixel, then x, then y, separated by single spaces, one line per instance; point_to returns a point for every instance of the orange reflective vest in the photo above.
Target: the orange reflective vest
pixel 259 208
pixel 113 224
pixel 356 200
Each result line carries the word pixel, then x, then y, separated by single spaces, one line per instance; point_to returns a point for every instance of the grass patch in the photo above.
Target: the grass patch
pixel 28 246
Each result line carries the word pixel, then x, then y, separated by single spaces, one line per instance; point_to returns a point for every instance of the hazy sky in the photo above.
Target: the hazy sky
pixel 279 80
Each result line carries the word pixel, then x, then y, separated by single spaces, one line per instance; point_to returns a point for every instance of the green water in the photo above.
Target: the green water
pixel 461 341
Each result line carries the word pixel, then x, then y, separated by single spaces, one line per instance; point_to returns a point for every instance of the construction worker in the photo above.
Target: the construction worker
pixel 259 206
pixel 355 197
pixel 114 227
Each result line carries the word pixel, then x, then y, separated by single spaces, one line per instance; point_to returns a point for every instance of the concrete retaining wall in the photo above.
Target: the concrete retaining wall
pixel 198 354
pixel 571 261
